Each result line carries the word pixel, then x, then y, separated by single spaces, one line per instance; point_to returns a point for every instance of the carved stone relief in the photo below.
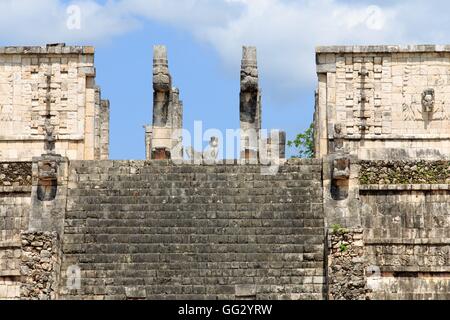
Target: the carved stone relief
pixel 408 112
pixel 428 100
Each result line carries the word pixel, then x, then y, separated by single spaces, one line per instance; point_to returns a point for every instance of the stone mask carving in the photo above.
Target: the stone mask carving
pixel 428 100
pixel 341 168
pixel 48 181
pixel 338 128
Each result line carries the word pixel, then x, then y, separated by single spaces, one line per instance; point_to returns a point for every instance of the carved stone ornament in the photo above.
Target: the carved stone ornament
pixel 428 100
pixel 338 129
pixel 341 168
pixel 47 180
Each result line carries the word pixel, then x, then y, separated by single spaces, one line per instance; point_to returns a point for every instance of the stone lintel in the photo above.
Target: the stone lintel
pixel 405 187
pixel 402 241
pixel 383 49
pixel 60 48
pixel 324 68
pixel 382 137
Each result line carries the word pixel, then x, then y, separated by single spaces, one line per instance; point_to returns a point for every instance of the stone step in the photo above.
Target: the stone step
pixel 186 169
pixel 105 273
pixel 165 224
pixel 105 165
pixel 251 229
pixel 160 182
pixel 225 246
pixel 199 198
pixel 109 271
pixel 202 296
pixel 192 277
pixel 90 169
pixel 193 177
pixel 166 190
pixel 287 210
pixel 78 194
pixel 200 239
pixel 118 260
pixel 263 212
pixel 244 240
pixel 196 219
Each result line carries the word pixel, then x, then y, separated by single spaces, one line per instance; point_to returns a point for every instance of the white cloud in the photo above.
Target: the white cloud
pixel 286 34
pixel 30 22
pixel 285 31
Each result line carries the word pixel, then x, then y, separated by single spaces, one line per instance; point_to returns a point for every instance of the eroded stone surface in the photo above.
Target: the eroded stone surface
pixel 53 85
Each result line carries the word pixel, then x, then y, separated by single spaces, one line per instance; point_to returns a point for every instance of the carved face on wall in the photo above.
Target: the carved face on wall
pixel 341 168
pixel 428 100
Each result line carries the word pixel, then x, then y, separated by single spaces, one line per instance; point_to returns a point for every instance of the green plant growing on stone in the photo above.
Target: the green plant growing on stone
pixel 304 142
pixel 338 229
pixel 343 247
pixel 404 172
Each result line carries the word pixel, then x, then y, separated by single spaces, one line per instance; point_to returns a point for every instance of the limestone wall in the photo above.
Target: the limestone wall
pixel 15 199
pixel 402 208
pixel 58 78
pixel 407 236
pixel 156 230
pixel 384 102
pixel 15 204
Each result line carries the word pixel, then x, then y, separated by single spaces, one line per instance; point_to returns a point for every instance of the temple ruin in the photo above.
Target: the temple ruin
pixel 367 218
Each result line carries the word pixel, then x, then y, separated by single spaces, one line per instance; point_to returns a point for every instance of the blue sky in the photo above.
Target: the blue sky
pixel 204 39
pixel 210 92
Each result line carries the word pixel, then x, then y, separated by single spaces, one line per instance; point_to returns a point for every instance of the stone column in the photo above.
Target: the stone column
pixel 104 130
pixel 163 138
pixel 162 86
pixel 41 243
pixel 162 94
pixel 176 117
pixel 250 105
pixel 148 141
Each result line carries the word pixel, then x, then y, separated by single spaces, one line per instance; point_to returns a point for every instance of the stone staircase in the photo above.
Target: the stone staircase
pixel 154 230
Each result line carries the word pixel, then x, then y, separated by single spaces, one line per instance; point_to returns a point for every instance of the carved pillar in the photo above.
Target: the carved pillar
pixel 250 105
pixel 46 225
pixel 164 137
pixel 49 192
pixel 162 86
pixel 162 92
